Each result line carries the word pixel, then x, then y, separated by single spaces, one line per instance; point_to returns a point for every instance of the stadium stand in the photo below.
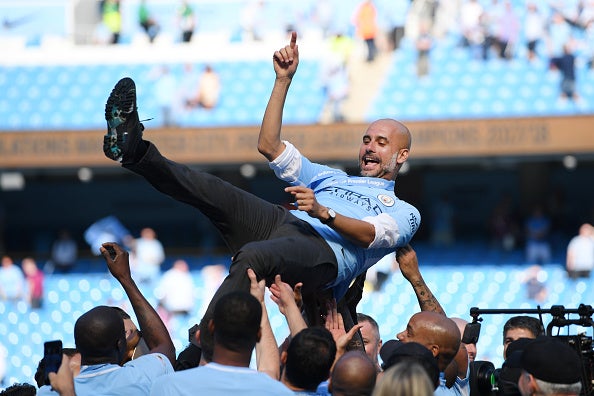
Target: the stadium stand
pixel 70 95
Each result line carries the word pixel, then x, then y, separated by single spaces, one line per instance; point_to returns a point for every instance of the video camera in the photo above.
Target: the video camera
pixel 486 380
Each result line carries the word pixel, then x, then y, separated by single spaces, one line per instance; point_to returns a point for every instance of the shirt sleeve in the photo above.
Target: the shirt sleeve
pixel 287 166
pixel 394 229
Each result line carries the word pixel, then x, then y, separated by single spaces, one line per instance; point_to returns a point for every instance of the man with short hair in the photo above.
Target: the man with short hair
pixel 550 368
pixel 370 334
pixel 308 360
pixel 235 329
pixel 520 326
pixel 100 337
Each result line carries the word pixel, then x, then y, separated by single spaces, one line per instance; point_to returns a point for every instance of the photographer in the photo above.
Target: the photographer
pixel 550 367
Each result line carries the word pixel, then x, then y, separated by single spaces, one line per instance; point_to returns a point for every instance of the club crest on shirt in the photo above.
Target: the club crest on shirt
pixel 386 199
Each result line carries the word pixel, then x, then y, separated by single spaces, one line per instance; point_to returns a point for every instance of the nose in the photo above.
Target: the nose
pixel 400 336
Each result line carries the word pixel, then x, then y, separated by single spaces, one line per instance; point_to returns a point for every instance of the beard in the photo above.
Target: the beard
pixel 381 170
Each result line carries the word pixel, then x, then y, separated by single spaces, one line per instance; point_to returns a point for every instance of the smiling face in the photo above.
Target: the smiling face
pixel 384 149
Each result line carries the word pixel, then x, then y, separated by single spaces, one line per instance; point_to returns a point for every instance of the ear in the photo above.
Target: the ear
pixel 211 326
pixel 434 348
pixel 283 357
pixel 402 156
pixel 197 337
pixel 259 336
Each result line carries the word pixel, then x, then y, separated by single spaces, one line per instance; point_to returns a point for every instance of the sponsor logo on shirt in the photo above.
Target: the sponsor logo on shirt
pixel 413 221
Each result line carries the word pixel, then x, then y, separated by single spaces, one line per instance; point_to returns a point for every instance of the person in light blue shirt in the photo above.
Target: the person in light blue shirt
pixel 341 225
pixel 100 337
pixel 235 328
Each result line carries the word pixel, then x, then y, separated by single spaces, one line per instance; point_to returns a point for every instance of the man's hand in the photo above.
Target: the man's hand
pixel 335 324
pixel 63 381
pixel 283 294
pixel 306 201
pixel 119 266
pixel 286 59
pixel 257 289
pixel 409 265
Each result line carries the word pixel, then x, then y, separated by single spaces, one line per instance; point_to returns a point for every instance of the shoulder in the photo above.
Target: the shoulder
pixel 156 362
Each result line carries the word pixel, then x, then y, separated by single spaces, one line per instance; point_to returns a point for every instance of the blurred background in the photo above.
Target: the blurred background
pixel 498 95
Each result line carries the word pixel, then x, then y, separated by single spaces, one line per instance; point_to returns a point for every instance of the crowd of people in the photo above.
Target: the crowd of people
pixel 312 260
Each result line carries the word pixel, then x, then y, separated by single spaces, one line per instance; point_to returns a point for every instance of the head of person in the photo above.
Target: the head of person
pixel 19 389
pixel 404 379
pixel 550 367
pixel 395 352
pixel 436 332
pixel 235 324
pixel 100 337
pixel 385 147
pixel 587 230
pixel 354 374
pixel 309 358
pixel 371 336
pixel 520 327
pixel 470 348
pixel 7 261
pixel 148 233
pixel 135 345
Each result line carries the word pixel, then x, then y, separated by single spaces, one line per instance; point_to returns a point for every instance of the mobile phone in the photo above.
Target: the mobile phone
pixel 192 333
pixel 111 251
pixel 52 356
pixel 471 333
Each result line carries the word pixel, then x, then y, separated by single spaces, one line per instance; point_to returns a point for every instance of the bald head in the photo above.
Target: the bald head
pixel 99 336
pixel 354 374
pixel 436 332
pixel 385 147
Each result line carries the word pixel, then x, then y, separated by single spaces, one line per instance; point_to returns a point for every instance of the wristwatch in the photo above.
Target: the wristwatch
pixel 331 216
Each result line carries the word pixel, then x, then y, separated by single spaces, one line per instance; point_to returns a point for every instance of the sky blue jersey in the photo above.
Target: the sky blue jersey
pixel 362 198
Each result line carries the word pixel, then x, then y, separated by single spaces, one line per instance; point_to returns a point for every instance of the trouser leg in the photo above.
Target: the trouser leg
pixel 239 216
pixel 294 251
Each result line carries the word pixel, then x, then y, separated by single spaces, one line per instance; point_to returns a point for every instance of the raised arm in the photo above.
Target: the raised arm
pixel 409 267
pixel 284 296
pixel 267 356
pixel 285 63
pixel 153 329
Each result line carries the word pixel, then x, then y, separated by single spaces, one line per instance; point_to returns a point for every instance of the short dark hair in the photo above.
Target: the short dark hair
pixel 123 314
pixel 237 318
pixel 361 317
pixel 532 324
pixel 98 333
pixel 310 356
pixel 23 389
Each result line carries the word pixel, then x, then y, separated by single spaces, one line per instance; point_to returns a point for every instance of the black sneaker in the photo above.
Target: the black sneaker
pixel 124 130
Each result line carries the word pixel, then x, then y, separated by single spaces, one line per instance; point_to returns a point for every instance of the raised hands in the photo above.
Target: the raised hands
pixel 286 59
pixel 408 262
pixel 117 260
pixel 335 324
pixel 288 300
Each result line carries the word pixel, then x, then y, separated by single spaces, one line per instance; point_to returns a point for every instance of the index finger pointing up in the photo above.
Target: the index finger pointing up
pixel 293 39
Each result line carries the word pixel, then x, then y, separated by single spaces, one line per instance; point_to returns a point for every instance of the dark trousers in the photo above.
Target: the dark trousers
pixel 261 235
